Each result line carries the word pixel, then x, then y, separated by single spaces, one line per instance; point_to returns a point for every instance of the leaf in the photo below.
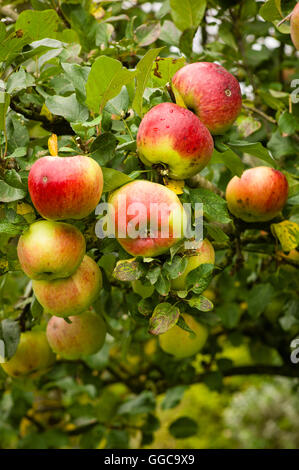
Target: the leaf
pixel 187 14
pixel 113 179
pixel 17 133
pixel 201 303
pixel 162 285
pixel 103 148
pixel 288 123
pixel 143 68
pixel 216 233
pixel 173 397
pixel 148 33
pixel 183 427
pixel 198 279
pixel 247 125
pixel 68 107
pixel 77 75
pixel 269 11
pixel 164 317
pixel 259 297
pixel 143 403
pixel 127 270
pixel 105 81
pixel 170 33
pixel 287 233
pixel 253 148
pixel 4 103
pixel 119 104
pixel 229 314
pixel 10 337
pixel 213 380
pixel 177 186
pixel 164 69
pixel 38 24
pixel 176 266
pixel 230 159
pixel 214 207
pixel 19 81
pixel 53 145
pixel 10 229
pixel 10 194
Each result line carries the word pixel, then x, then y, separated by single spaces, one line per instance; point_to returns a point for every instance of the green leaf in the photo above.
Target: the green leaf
pixel 214 207
pixel 229 314
pixel 253 148
pixel 68 107
pixel 113 179
pixel 183 427
pixel 270 11
pixel 173 397
pixel 38 24
pixel 170 33
pixel 143 403
pixel 258 299
pixel 19 81
pixel 10 337
pixel 230 159
pixel 216 233
pixel 187 14
pixel 77 75
pixel 4 103
pixel 164 317
pixel 287 232
pixel 143 68
pixel 164 69
pixel 201 303
pixel 176 266
pixel 148 33
pixel 17 132
pixel 162 285
pixel 213 380
pixel 10 229
pixel 105 81
pixel 119 104
pixel 200 278
pixel 288 123
pixel 10 194
pixel 103 148
pixel 127 270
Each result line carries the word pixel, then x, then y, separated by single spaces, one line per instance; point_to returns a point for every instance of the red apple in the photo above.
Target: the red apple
pixel 73 295
pixel 50 250
pixel 85 335
pixel 259 195
pixel 141 199
pixel 174 137
pixel 65 188
pixel 295 26
pixel 211 92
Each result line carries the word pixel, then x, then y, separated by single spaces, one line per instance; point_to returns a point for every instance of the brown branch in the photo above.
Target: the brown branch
pixel 199 181
pixel 257 111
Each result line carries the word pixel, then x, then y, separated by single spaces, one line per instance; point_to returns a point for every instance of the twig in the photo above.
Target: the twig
pixel 199 181
pixel 257 111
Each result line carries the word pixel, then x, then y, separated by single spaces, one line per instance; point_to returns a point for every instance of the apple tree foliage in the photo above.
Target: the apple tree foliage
pixel 88 71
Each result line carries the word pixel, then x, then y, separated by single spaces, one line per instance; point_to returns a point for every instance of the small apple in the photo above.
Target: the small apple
pixel 50 250
pixel 204 254
pixel 70 296
pixel 65 187
pixel 33 356
pixel 85 335
pixel 258 195
pixel 211 92
pixel 295 26
pixel 180 343
pixel 143 290
pixel 149 203
pixel 174 137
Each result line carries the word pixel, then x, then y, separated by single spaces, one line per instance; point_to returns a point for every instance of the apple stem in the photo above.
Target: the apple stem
pixel 170 91
pixel 285 19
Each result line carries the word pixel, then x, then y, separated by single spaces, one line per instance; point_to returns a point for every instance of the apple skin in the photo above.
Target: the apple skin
pixel 180 343
pixel 84 336
pixel 51 250
pixel 211 92
pixel 65 187
pixel 143 290
pixel 258 195
pixel 147 193
pixel 33 356
pixel 73 295
pixel 295 26
pixel 175 137
pixel 204 254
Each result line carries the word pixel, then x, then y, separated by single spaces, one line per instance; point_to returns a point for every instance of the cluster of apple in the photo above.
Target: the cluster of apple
pixel 52 253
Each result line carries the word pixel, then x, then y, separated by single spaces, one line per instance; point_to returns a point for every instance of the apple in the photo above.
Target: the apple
pixel 33 356
pixel 85 335
pixel 204 254
pixel 258 195
pixel 73 295
pixel 295 26
pixel 180 343
pixel 50 250
pixel 65 187
pixel 142 199
pixel 211 92
pixel 173 137
pixel 143 290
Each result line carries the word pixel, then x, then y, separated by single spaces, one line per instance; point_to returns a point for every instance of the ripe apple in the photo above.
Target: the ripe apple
pixel 258 195
pixel 174 137
pixel 204 254
pixel 295 26
pixel 65 187
pixel 50 250
pixel 141 199
pixel 180 343
pixel 73 295
pixel 143 290
pixel 85 335
pixel 32 357
pixel 211 92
